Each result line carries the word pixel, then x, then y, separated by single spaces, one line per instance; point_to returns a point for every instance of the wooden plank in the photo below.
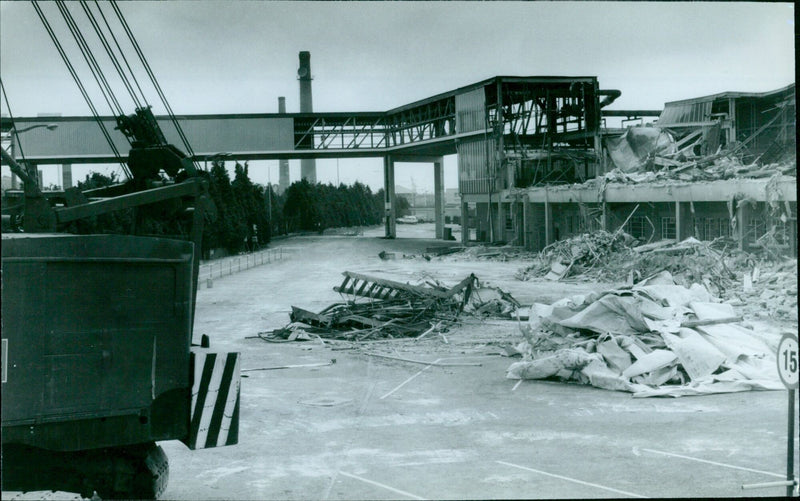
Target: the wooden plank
pixel 309 317
pixel 710 321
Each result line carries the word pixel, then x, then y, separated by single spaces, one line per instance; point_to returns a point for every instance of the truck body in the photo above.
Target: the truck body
pixel 97 356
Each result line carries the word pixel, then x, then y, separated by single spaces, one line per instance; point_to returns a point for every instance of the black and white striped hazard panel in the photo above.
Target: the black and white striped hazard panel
pixel 215 399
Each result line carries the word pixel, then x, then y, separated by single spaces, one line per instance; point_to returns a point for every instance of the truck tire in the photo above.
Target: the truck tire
pixel 139 471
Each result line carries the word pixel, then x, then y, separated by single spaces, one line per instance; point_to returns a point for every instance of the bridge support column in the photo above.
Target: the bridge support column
pixel 389 197
pixel 66 176
pixel 438 196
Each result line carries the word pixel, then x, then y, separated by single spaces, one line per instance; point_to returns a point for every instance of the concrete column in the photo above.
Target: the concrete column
pixel 40 176
pixel 389 197
pixel 66 176
pixel 527 220
pixel 464 223
pixel 438 196
pixel 604 216
pixel 548 223
pixel 678 222
pixel 741 218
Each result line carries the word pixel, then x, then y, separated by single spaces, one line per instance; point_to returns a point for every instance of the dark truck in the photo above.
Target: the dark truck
pixel 97 356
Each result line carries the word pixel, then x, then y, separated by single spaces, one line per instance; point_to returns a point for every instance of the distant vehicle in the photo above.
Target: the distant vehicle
pixel 408 220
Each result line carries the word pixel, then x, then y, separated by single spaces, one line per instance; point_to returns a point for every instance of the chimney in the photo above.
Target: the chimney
pixel 308 166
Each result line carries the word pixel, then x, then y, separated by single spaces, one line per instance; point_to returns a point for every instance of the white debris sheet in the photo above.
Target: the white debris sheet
pixel 652 339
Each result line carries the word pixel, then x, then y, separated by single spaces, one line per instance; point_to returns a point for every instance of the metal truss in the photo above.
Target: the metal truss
pixel 431 120
pixel 340 131
pixel 405 126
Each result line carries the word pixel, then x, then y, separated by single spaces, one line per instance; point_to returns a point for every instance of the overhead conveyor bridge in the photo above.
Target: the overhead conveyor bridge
pixel 490 125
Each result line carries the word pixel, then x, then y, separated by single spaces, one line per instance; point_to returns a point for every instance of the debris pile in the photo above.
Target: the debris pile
pixel 711 168
pixel 769 290
pixel 647 154
pixel 579 255
pixel 652 339
pixel 602 256
pixel 377 308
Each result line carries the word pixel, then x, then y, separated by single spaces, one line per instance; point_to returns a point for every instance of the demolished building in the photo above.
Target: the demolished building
pixel 716 166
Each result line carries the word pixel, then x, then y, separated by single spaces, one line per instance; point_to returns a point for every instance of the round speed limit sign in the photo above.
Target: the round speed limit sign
pixel 788 360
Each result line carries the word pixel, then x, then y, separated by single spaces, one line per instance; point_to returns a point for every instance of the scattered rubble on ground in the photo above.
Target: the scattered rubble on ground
pixel 377 308
pixel 503 253
pixel 656 338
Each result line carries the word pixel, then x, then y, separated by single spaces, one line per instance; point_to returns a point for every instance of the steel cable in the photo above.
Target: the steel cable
pixel 154 81
pixel 122 53
pixel 91 61
pixel 79 83
pixel 112 56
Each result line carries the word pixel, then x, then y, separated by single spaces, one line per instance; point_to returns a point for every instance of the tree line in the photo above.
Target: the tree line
pixel 250 214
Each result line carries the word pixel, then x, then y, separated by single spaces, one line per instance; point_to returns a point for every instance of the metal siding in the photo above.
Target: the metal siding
pixel 473 172
pixel 471 111
pixel 205 135
pixel 685 113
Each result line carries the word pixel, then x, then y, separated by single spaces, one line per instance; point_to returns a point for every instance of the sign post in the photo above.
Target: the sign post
pixel 788 360
pixel 788 371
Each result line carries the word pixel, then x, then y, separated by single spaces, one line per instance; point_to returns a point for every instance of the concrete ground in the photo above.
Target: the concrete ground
pixel 371 428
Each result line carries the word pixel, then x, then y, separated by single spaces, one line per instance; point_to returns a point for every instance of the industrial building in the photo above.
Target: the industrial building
pixel 536 206
pixel 536 162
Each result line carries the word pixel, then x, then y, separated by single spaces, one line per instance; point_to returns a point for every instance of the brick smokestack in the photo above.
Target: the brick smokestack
pixel 308 167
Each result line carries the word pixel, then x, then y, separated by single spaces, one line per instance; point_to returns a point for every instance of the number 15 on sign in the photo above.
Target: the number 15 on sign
pixel 787 369
pixel 788 361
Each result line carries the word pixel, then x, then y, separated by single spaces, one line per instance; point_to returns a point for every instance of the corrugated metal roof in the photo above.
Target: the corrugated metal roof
pixel 729 95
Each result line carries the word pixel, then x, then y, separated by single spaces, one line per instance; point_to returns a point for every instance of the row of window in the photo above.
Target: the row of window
pixel 643 228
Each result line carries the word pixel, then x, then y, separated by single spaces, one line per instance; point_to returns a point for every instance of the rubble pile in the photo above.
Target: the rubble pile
pixel 769 290
pixel 711 168
pixel 655 338
pixel 579 255
pixel 602 256
pixel 377 308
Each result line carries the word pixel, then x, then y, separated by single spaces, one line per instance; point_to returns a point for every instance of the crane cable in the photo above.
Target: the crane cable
pixel 88 56
pixel 122 53
pixel 154 81
pixel 79 83
pixel 109 51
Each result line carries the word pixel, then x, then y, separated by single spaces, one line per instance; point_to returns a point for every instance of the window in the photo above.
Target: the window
pixel 637 227
pixel 755 229
pixel 668 228
pixel 714 227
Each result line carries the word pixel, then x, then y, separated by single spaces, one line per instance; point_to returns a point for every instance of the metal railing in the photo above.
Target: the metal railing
pixel 234 264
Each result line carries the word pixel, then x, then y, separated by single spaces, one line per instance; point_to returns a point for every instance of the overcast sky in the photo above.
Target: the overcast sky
pixel 238 57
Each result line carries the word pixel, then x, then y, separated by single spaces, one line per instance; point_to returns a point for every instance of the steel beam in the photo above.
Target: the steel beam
pixel 389 197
